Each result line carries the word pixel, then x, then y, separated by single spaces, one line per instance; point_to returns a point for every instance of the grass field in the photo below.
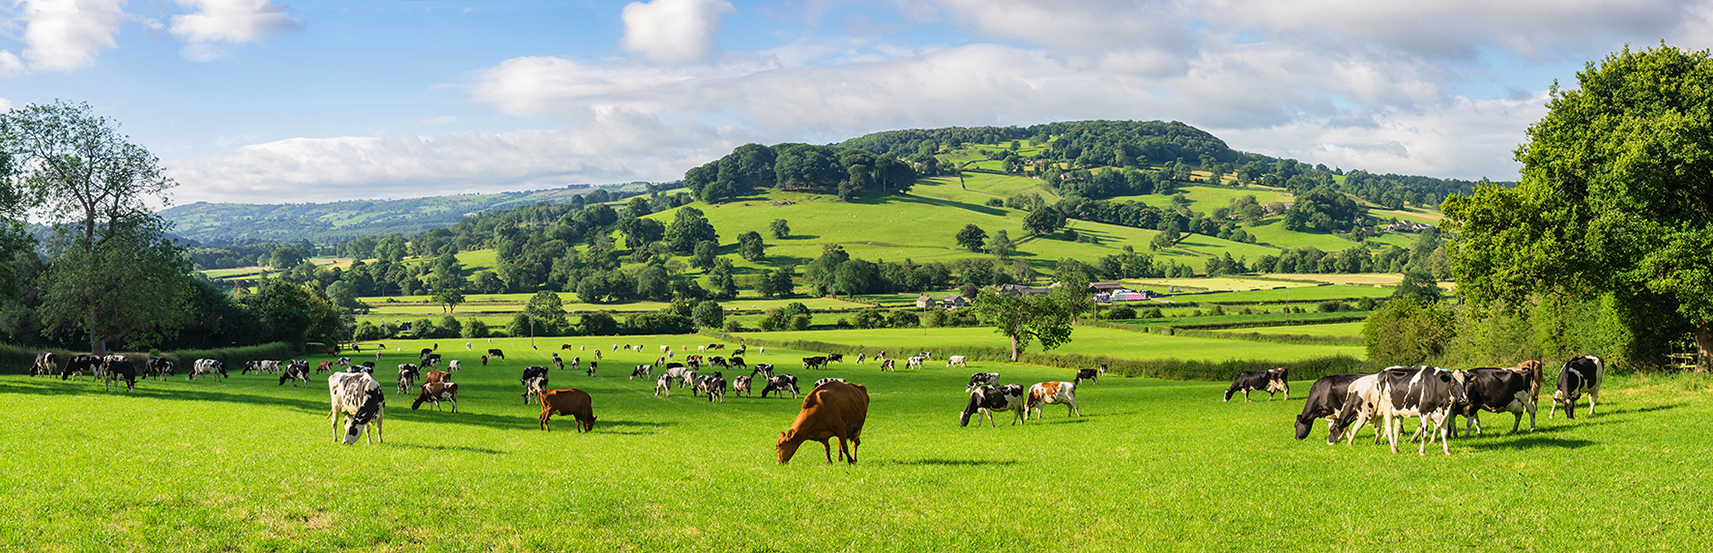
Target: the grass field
pixel 1236 318
pixel 1086 340
pixel 1334 292
pixel 1332 329
pixel 246 465
pixel 1216 283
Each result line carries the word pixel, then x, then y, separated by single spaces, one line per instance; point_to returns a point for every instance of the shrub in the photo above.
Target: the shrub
pixel 1121 312
pixel 995 202
pixel 734 326
pixel 1405 332
pixel 1333 306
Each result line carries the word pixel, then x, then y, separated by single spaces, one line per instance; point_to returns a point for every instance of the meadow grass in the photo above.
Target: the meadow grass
pixel 1226 283
pixel 1333 292
pixel 1086 340
pixel 1329 329
pixel 247 465
pixel 1237 319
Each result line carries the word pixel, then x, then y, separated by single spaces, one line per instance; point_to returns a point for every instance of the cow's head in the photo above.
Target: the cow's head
pixel 586 425
pixel 1568 400
pixel 786 447
pixel 1305 423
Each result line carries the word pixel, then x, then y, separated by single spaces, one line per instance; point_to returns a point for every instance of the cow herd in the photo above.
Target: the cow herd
pixel 1434 396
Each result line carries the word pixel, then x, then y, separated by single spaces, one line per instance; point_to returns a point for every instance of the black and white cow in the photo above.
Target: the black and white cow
pixel 1361 407
pixel 120 371
pixel 956 360
pixel 644 371
pixel 826 380
pixel 297 371
pixel 592 367
pixel 719 361
pixel 1498 391
pixel 1579 375
pixel 781 384
pixel 1427 393
pixel 560 363
pixel 978 380
pixel 1326 397
pixel 814 362
pixel 987 400
pixel 663 385
pixel 886 365
pixel 360 397
pixel 737 362
pixel 407 377
pixel 740 386
pixel 1087 374
pixel 831 357
pixel 1270 381
pixel 158 367
pixel 46 363
pixel 716 389
pixel 678 372
pixel 208 367
pixel 532 388
pixel 763 370
pixel 431 360
pixel 78 364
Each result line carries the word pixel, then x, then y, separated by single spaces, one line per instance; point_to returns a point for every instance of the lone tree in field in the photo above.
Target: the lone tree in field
pixel 113 270
pixel 780 228
pixel 1024 318
pixel 972 238
pixel 1616 196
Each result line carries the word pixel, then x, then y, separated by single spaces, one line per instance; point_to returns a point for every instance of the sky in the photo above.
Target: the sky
pixel 266 102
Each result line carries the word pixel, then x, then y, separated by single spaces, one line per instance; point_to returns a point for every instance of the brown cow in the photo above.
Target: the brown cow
pixel 832 410
pixel 324 367
pixel 568 401
pixel 436 392
pixel 438 376
pixel 1533 370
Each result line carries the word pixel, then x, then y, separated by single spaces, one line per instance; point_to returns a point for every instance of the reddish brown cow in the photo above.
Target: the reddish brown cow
pixel 438 376
pixel 324 367
pixel 832 410
pixel 436 392
pixel 568 401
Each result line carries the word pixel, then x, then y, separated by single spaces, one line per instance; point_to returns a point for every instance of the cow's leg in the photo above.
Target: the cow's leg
pixel 1074 409
pixel 333 416
pixel 827 446
pixel 1246 396
pixel 1392 433
pixel 544 416
pixel 1593 399
pixel 1552 409
pixel 1532 407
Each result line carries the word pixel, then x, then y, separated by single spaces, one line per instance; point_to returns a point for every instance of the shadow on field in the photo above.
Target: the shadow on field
pixel 1534 441
pixel 448 448
pixel 318 403
pixel 1649 409
pixel 950 462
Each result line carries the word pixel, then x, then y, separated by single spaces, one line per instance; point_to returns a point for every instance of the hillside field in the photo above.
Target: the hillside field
pixel 248 465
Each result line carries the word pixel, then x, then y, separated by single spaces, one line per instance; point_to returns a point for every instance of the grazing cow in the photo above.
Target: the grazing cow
pixel 665 349
pixel 813 362
pixel 987 400
pixel 859 357
pixel 532 373
pixel 558 363
pixel 101 369
pixel 436 392
pixel 76 366
pixel 1326 397
pixel 452 366
pixel 1087 374
pixel 433 360
pixel 158 367
pixel 407 378
pixel 533 387
pixel 484 360
pixel 765 370
pixel 834 410
pixel 46 363
pixel 495 352
pixel 741 386
pixel 1361 406
pixel 914 362
pixel 1533 370
pixel 678 372
pixel 828 379
pixel 1424 392
pixel 368 367
pixel 1270 381
pixel 378 355
pixel 597 355
pixel 831 357
pixel 721 361
pixel 1498 391
pixel 344 362
pixel 425 352
pixel 1052 392
pixel 957 360
pixel 886 365
pixel 297 371
pixel 780 384
pixel 663 385
pixel 251 365
pixel 467 347
pixel 324 367
pixel 569 401
pixel 687 377
pixel 207 367
pixel 978 380
pixel 644 371
pixel 716 388
pixel 925 355
pixel 271 366
pixel 592 368
pixel 1582 374
pixel 1103 369
pixel 120 371
pixel 438 376
pixel 360 397
pixel 563 347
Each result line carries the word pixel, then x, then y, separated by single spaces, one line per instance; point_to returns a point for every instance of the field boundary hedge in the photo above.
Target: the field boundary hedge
pixel 17 359
pixel 1166 369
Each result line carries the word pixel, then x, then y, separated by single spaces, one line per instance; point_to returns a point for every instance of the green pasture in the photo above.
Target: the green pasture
pixel 1333 292
pixel 1272 232
pixel 248 465
pixel 1331 329
pixel 1208 198
pixel 1232 317
pixel 1086 340
pixel 1226 283
pixel 514 303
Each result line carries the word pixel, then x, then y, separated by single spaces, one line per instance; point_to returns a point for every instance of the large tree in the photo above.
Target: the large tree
pixel 1024 318
pixel 1616 196
pixel 114 271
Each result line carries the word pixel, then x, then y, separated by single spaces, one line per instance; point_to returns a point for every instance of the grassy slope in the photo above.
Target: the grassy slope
pixel 245 465
pixel 1086 340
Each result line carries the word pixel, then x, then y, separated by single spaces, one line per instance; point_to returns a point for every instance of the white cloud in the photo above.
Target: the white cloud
pixel 228 21
pixel 5 105
pixel 63 35
pixel 673 30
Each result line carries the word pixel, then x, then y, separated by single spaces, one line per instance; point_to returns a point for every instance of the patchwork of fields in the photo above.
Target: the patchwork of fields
pixel 247 465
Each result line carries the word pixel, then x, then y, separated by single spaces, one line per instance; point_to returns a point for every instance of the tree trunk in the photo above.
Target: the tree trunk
pixel 1014 346
pixel 1704 345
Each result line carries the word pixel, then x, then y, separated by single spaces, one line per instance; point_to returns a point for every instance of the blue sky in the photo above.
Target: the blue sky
pixel 259 101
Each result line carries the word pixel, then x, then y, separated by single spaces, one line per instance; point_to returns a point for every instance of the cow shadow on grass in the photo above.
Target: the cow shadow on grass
pixel 949 462
pixel 463 448
pixel 319 402
pixel 1532 441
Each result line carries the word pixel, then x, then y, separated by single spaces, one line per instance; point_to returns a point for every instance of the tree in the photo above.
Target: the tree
pixel 709 315
pixel 972 238
pixel 1024 318
pixel 704 255
pixel 287 257
pixel 294 313
pixel 780 228
pixel 1418 286
pixel 1001 246
pixel 783 281
pixel 1044 220
pixel 688 228
pixel 1406 332
pixel 751 247
pixel 600 323
pixel 1613 198
pixel 113 270
pixel 342 294
pixel 548 311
